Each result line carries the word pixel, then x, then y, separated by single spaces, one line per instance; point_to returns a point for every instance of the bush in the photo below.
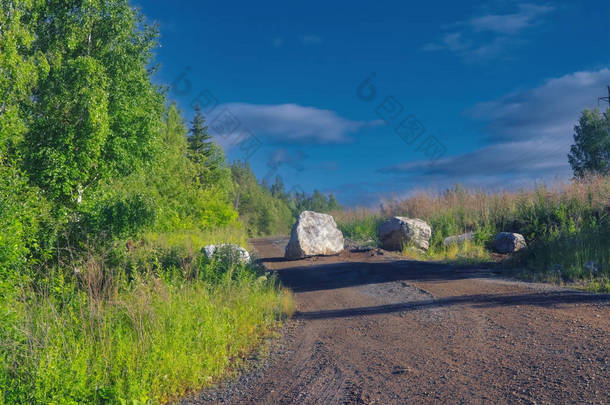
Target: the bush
pixel 25 234
pixel 121 216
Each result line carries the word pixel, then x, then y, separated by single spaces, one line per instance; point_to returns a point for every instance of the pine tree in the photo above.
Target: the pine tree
pixel 333 204
pixel 277 189
pixel 200 144
pixel 201 148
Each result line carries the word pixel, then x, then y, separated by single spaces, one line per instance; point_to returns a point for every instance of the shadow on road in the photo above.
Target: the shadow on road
pixel 327 276
pixel 482 301
pixel 349 274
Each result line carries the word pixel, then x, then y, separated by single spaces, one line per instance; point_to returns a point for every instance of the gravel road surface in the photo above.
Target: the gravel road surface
pixel 372 328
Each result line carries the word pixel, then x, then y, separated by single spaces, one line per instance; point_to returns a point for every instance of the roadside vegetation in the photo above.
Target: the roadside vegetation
pixel 107 196
pixel 567 228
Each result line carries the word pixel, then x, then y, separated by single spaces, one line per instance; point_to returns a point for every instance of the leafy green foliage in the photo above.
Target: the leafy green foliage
pixel 316 202
pixel 166 198
pixel 258 209
pixel 199 140
pixel 20 69
pixel 104 296
pixel 590 154
pixel 208 158
pixel 272 210
pixel 96 113
pixel 24 221
pixel 359 226
pixel 64 146
pixel 300 201
pixel 123 216
pixel 188 204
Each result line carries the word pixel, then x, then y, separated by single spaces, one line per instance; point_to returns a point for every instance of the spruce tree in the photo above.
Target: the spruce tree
pixel 200 143
pixel 202 151
pixel 277 189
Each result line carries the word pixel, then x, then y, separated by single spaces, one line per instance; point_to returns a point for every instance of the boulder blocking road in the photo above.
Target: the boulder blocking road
pixel 376 329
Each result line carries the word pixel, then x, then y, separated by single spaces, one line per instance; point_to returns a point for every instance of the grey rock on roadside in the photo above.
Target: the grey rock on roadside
pixel 314 234
pixel 591 266
pixel 235 251
pixel 458 239
pixel 508 242
pixel 399 231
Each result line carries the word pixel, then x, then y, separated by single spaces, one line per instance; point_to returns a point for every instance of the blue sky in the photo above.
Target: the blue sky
pixel 373 100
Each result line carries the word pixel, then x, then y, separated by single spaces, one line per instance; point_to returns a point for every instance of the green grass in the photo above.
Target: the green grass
pixel 359 226
pixel 580 260
pixel 464 253
pixel 598 285
pixel 567 228
pixel 113 334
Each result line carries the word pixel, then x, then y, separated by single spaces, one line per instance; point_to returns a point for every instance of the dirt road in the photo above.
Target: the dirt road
pixel 374 329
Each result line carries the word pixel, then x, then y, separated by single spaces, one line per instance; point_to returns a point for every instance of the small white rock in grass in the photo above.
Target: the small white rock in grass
pixel 458 239
pixel 591 266
pixel 235 251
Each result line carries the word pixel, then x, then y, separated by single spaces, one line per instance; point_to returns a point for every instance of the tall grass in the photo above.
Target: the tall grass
pixel 118 333
pixel 566 226
pixel 359 225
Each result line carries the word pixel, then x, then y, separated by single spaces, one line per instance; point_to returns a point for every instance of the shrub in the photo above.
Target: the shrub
pixel 121 216
pixel 25 232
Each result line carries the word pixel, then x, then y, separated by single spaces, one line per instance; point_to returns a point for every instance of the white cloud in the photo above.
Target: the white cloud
pixel 453 41
pixel 547 111
pixel 289 123
pixel 510 23
pixel 536 157
pixel 530 133
pixel 489 35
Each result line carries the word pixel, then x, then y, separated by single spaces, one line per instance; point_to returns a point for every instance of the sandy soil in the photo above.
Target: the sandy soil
pixel 371 328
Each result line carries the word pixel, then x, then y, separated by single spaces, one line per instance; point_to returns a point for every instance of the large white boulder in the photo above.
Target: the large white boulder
pixel 314 234
pixel 397 232
pixel 508 242
pixel 234 251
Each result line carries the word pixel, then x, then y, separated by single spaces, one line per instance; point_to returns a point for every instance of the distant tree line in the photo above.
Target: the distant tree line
pixel 270 209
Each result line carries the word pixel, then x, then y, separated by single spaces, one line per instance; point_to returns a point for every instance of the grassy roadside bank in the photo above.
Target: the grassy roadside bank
pixel 567 229
pixel 144 326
